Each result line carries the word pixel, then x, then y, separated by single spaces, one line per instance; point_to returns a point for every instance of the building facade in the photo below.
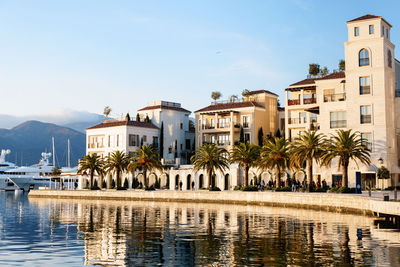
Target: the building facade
pixel 365 98
pixel 124 135
pixel 221 122
pixel 178 136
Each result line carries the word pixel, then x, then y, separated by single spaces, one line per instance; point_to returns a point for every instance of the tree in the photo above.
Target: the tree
pixel 162 140
pixel 275 155
pixel 127 117
pixel 56 171
pixel 92 164
pixel 107 110
pixel 383 173
pixel 210 158
pixel 241 135
pixel 260 136
pixel 246 155
pixel 176 149
pixel 342 65
pixel 278 133
pixel 137 117
pixel 313 69
pixel 324 71
pixel 233 98
pixel 147 119
pixel 306 148
pixel 216 95
pixel 245 93
pixel 117 162
pixel 147 159
pixel 346 146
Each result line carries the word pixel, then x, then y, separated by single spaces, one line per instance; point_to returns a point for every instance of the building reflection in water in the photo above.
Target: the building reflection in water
pixel 182 234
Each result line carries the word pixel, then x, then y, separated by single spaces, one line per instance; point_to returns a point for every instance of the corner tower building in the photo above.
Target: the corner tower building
pixel 364 98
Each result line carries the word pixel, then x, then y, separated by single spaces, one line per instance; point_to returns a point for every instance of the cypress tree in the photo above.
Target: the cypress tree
pixel 127 117
pixel 278 133
pixel 260 136
pixel 162 140
pixel 137 117
pixel 241 138
pixel 147 119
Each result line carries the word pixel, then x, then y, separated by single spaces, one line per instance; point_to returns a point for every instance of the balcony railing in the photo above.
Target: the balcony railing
pixel 223 143
pixel 365 119
pixel 294 120
pixel 339 124
pixel 309 101
pixel 245 125
pixel 365 90
pixel 334 97
pixel 292 102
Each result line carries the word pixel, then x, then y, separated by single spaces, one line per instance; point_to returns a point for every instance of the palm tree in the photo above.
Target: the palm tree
pixel 346 145
pixel 91 163
pixel 216 95
pixel 210 158
pixel 147 158
pixel 107 110
pixel 275 155
pixel 116 163
pixel 246 154
pixel 306 148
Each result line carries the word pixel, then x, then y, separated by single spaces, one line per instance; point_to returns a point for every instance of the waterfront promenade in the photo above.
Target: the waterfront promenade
pixel 352 203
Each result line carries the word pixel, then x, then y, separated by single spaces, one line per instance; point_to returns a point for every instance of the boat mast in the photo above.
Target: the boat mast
pixel 54 154
pixel 69 154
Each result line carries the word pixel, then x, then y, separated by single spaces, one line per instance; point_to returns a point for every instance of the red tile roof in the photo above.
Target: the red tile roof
pixel 261 91
pixel 164 107
pixel 335 75
pixel 369 16
pixel 123 123
pixel 230 106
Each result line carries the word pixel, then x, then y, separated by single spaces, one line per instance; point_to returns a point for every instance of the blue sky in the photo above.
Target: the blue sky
pixel 83 55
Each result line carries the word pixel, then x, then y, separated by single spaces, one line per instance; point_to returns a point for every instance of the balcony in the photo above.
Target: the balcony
pixel 294 121
pixel 365 119
pixel 339 124
pixel 365 90
pixel 335 97
pixel 292 102
pixel 223 143
pixel 307 101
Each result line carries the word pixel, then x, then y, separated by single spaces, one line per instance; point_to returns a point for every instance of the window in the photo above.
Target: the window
pixel 246 121
pixel 383 31
pixel 366 140
pixel 356 31
pixel 389 55
pixel 199 125
pixel 365 88
pixel 155 141
pixel 364 57
pixel 144 138
pixel 302 117
pixel 365 114
pixel 133 140
pixel 371 29
pixel 223 122
pixel 338 119
pixel 247 137
pixel 181 125
pixel 223 140
pixel 212 123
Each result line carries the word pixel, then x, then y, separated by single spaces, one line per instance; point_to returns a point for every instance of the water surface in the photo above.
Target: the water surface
pixel 51 232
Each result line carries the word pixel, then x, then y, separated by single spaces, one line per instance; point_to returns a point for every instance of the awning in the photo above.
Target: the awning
pixel 314 110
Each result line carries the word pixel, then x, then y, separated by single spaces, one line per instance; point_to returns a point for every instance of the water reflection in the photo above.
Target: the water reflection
pixel 181 234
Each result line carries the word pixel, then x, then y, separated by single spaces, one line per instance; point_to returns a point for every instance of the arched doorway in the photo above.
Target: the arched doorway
pixel 201 181
pixel 188 182
pixel 226 183
pixel 177 182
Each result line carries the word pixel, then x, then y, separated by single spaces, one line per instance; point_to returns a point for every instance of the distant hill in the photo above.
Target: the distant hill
pixel 28 140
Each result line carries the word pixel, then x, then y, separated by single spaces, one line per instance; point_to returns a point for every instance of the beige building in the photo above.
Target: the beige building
pixel 364 98
pixel 124 135
pixel 221 122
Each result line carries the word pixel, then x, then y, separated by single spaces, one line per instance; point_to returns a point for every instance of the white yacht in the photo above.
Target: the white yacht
pixel 26 178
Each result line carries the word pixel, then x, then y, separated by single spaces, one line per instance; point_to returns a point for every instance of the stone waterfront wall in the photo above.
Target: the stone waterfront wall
pixel 320 201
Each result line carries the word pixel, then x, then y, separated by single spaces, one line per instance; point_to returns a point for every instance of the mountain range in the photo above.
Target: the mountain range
pixel 28 140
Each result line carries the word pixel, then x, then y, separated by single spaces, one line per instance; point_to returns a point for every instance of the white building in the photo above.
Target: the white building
pixel 364 98
pixel 124 135
pixel 178 140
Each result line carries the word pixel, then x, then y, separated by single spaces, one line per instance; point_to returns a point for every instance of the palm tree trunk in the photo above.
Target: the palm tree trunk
pixel 91 179
pixel 145 176
pixel 345 172
pixel 278 179
pixel 309 175
pixel 118 182
pixel 210 178
pixel 246 175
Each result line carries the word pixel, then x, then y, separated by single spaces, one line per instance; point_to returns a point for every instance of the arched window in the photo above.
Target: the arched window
pixel 389 55
pixel 364 57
